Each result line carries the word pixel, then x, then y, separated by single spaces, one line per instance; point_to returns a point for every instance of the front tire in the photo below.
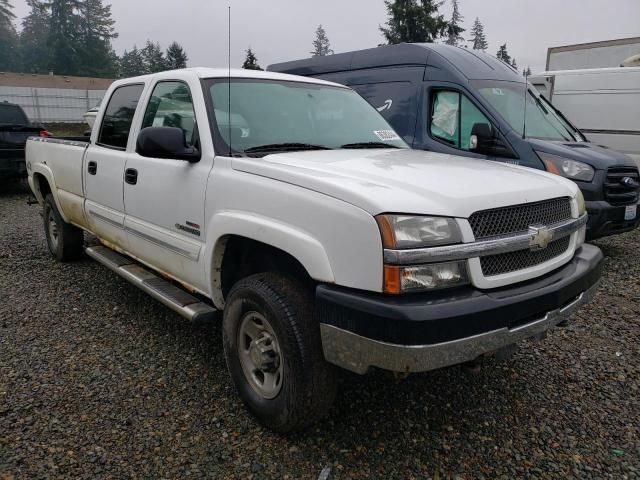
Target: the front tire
pixel 274 354
pixel 65 241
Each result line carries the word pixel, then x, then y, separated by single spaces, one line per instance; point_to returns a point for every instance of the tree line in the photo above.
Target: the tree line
pixel 415 21
pixel 74 37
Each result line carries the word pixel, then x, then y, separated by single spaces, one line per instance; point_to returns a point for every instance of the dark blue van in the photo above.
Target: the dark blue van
pixel 464 102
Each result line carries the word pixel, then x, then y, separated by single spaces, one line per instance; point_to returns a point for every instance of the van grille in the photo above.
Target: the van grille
pixel 618 193
pixel 518 218
pixel 514 261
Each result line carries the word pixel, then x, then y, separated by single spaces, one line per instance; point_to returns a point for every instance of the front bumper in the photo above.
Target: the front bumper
pixel 606 219
pixel 424 332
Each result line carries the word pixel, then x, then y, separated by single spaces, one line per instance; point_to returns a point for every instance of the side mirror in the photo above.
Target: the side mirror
pixel 482 139
pixel 166 142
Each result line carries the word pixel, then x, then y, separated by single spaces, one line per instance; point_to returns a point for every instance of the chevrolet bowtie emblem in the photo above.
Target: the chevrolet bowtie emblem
pixel 541 236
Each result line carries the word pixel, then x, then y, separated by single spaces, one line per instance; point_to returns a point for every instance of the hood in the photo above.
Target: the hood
pixel 599 157
pixel 410 181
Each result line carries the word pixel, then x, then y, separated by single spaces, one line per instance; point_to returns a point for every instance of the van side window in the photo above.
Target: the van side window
pixel 452 118
pixel 171 105
pixel 118 116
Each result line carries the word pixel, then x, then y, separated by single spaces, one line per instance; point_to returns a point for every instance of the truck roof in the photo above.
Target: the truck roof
pixel 203 72
pixel 470 64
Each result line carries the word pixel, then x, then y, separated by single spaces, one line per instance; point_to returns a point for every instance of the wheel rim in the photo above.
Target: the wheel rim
pixel 260 355
pixel 53 230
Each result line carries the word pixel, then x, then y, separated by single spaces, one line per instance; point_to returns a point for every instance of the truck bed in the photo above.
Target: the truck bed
pixel 60 160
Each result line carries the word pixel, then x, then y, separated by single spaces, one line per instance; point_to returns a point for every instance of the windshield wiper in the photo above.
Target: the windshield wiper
pixel 368 145
pixel 285 147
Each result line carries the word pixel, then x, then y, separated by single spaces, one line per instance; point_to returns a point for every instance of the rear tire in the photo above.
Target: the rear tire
pixel 65 241
pixel 274 354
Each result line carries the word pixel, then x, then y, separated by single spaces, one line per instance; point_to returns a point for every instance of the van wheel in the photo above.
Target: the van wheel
pixel 65 241
pixel 274 354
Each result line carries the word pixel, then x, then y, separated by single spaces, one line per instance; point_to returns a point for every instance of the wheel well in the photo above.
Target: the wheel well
pixel 42 185
pixel 244 256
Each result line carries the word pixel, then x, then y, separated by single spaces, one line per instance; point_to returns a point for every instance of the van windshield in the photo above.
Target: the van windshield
pixel 270 116
pixel 543 120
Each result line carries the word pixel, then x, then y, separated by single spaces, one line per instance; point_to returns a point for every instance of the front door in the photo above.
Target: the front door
pixel 104 166
pixel 164 198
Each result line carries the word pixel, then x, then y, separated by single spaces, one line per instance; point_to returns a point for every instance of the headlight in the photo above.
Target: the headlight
pixel 567 168
pixel 432 276
pixel 582 208
pixel 407 231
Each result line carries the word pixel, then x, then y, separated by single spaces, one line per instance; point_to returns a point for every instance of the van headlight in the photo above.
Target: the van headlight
pixel 409 231
pixel 566 167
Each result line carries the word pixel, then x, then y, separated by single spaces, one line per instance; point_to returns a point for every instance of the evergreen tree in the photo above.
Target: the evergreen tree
pixel 477 36
pixel 514 64
pixel 454 30
pixel 64 36
pixel 176 57
pixel 96 55
pixel 8 38
pixel 503 54
pixel 131 64
pixel 250 61
pixel 34 36
pixel 321 45
pixel 526 72
pixel 413 21
pixel 154 60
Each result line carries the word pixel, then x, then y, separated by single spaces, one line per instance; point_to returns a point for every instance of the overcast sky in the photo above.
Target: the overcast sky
pixel 280 30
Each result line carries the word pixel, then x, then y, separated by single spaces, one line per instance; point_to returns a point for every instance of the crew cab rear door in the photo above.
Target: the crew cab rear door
pixel 105 162
pixel 164 197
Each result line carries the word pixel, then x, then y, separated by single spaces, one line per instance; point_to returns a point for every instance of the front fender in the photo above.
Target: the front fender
pixel 299 244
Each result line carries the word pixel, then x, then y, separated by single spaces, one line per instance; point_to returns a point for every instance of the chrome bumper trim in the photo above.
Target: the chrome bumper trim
pixel 482 248
pixel 356 353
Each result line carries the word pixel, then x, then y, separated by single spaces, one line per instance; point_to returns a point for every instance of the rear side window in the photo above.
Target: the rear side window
pixel 116 124
pixel 12 115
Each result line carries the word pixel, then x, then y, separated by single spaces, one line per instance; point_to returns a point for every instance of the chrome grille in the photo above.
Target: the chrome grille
pixel 513 261
pixel 616 191
pixel 518 218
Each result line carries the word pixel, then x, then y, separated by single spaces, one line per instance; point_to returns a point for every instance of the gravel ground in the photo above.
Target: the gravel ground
pixel 97 380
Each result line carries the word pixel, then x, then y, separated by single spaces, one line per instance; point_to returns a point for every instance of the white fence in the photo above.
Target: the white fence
pixel 46 105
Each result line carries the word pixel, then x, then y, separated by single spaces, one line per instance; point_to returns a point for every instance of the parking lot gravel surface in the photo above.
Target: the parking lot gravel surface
pixel 98 380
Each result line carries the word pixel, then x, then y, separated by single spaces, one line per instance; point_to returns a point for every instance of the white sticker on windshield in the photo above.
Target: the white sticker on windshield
pixel 386 135
pixel 498 92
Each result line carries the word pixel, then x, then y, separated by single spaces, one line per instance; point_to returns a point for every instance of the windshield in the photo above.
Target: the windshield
pixel 543 120
pixel 271 116
pixel 12 115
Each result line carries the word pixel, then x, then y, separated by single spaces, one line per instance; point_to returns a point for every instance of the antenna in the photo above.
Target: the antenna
pixel 524 120
pixel 229 82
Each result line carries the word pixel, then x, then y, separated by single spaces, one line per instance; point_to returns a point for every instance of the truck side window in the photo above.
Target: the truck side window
pixel 116 124
pixel 171 105
pixel 452 118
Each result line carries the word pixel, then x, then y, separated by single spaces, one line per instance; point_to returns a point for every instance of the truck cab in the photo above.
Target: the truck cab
pixel 467 103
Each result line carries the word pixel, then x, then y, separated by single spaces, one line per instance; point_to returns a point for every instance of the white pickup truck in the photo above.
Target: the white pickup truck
pixel 290 205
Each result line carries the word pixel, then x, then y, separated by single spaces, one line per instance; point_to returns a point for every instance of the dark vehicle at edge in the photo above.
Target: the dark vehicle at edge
pixel 464 102
pixel 15 129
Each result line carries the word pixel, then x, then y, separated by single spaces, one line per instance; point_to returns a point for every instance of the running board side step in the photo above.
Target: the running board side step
pixel 173 297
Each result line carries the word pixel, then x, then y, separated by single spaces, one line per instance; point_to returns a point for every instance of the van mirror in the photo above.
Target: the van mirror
pixel 166 142
pixel 482 138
